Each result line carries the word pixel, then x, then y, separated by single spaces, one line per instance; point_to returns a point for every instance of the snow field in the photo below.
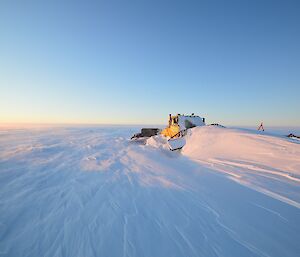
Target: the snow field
pixel 92 192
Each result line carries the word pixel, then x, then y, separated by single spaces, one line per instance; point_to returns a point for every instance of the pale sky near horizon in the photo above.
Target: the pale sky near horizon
pixel 133 62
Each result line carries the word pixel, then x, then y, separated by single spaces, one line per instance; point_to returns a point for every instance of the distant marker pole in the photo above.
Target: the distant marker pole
pixel 261 127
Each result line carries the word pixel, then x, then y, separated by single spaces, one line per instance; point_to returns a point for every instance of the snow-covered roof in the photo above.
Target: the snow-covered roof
pixel 186 121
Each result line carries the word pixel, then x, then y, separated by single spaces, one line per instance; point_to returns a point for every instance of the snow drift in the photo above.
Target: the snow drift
pixel 245 149
pixel 250 157
pixel 255 159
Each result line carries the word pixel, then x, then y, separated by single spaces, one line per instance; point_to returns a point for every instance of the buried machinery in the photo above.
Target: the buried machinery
pixel 175 131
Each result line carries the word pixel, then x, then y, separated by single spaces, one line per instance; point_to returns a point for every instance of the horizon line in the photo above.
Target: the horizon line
pixel 48 124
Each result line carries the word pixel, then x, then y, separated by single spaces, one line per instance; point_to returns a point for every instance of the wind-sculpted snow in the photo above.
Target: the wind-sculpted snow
pixel 264 162
pixel 91 192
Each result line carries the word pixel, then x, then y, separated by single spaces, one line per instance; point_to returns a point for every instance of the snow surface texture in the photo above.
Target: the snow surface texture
pixel 91 192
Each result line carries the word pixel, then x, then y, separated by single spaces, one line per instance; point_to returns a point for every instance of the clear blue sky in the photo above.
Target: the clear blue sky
pixel 233 62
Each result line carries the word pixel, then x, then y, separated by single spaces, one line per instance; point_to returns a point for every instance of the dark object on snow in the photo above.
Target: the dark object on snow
pixel 292 135
pixel 217 124
pixel 146 132
pixel 261 127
